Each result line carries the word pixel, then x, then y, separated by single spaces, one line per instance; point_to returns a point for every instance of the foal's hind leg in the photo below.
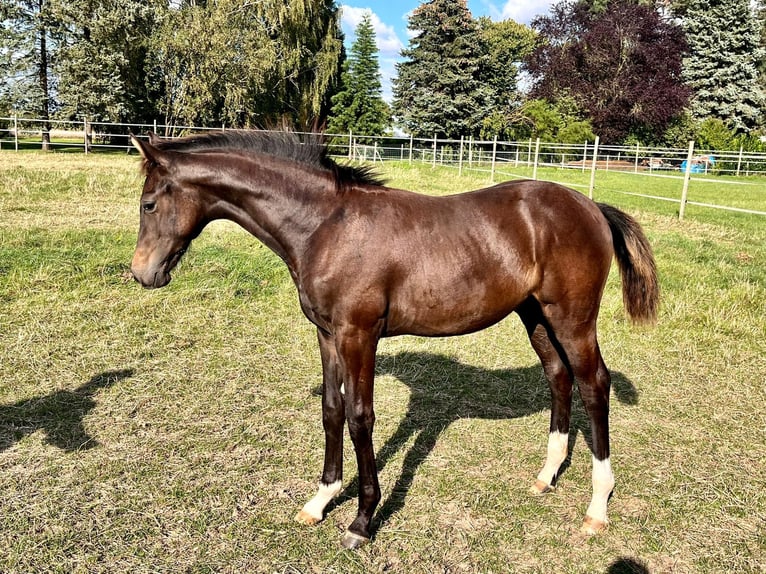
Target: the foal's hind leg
pixel 333 417
pixel 560 383
pixel 584 357
pixel 568 349
pixel 594 392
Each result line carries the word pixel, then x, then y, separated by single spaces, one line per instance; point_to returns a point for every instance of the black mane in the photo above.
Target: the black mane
pixel 312 152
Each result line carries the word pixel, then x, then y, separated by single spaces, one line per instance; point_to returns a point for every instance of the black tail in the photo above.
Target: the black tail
pixel 640 288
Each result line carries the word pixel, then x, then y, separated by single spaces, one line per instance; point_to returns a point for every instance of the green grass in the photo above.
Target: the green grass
pixel 179 429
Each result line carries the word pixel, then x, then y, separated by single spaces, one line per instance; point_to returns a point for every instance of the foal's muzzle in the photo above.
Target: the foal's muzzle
pixel 153 274
pixel 153 281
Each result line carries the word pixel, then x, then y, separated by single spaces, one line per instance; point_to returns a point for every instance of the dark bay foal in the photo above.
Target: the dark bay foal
pixel 370 261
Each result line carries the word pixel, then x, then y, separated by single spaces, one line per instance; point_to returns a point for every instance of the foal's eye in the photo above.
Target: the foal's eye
pixel 149 206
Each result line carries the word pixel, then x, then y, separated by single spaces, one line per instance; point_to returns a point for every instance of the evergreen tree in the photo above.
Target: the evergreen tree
pixel 101 64
pixel 26 46
pixel 438 88
pixel 359 106
pixel 722 63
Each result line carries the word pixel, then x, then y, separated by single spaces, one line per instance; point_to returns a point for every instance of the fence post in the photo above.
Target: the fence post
pixel 410 148
pixel 16 131
pixel 470 152
pixel 494 155
pixel 687 177
pixel 85 134
pixel 739 160
pixel 433 163
pixel 593 168
pixel 635 168
pixel 460 157
pixel 584 155
pixel 350 136
pixel 537 153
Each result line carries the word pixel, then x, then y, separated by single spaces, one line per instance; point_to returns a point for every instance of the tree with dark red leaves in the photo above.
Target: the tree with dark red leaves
pixel 620 64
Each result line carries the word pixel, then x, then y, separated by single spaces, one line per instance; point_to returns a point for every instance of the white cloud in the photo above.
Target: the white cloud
pixel 522 11
pixel 386 39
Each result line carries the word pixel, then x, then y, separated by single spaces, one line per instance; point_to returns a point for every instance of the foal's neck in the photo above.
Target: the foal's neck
pixel 280 202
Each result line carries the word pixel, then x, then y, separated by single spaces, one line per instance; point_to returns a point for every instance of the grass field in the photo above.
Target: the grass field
pixel 179 430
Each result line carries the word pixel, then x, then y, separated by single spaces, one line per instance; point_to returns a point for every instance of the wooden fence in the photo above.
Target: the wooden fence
pixel 496 158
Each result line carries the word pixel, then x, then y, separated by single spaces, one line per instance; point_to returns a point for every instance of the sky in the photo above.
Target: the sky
pixel 389 18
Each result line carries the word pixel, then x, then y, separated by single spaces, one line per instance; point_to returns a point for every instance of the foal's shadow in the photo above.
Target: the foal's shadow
pixel 443 390
pixel 59 414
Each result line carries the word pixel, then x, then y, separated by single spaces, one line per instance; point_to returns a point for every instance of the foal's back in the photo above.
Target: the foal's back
pixel 455 264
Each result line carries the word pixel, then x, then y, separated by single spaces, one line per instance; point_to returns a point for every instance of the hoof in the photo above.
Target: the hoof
pixel 353 541
pixel 304 517
pixel 539 487
pixel 591 526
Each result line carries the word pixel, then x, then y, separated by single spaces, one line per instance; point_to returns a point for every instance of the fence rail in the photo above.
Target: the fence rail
pixel 575 164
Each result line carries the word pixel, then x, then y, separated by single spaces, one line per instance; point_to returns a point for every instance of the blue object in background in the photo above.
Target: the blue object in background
pixel 699 164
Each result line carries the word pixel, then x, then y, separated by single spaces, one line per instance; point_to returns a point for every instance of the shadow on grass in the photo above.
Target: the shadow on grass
pixel 443 390
pixel 59 414
pixel 627 566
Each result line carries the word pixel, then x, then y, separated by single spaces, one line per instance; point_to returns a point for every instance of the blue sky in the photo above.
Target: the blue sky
pixel 389 18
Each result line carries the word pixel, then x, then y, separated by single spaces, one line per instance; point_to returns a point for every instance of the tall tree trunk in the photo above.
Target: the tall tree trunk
pixel 43 76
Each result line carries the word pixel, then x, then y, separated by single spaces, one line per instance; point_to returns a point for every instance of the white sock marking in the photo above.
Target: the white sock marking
pixel 558 444
pixel 315 507
pixel 603 484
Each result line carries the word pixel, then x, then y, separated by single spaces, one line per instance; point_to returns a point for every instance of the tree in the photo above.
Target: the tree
pixel 308 43
pixel 559 122
pixel 621 66
pixel 504 45
pixel 359 106
pixel 438 88
pixel 195 61
pixel 722 62
pixel 101 64
pixel 25 52
pixel 211 62
pixel 248 63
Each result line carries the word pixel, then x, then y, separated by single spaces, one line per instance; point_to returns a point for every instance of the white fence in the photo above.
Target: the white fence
pixel 574 165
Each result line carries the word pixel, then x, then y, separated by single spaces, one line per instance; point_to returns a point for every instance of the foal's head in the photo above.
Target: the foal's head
pixel 171 215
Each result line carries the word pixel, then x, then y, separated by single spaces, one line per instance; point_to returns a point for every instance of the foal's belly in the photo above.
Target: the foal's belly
pixel 438 310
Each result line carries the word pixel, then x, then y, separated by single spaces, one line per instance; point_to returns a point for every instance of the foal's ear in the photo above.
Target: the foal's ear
pixel 151 155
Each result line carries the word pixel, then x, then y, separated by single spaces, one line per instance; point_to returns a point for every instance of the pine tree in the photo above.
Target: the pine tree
pixel 101 64
pixel 26 47
pixel 722 65
pixel 359 106
pixel 438 89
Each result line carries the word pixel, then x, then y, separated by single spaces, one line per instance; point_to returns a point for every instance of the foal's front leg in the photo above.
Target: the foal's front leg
pixel 333 416
pixel 356 358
